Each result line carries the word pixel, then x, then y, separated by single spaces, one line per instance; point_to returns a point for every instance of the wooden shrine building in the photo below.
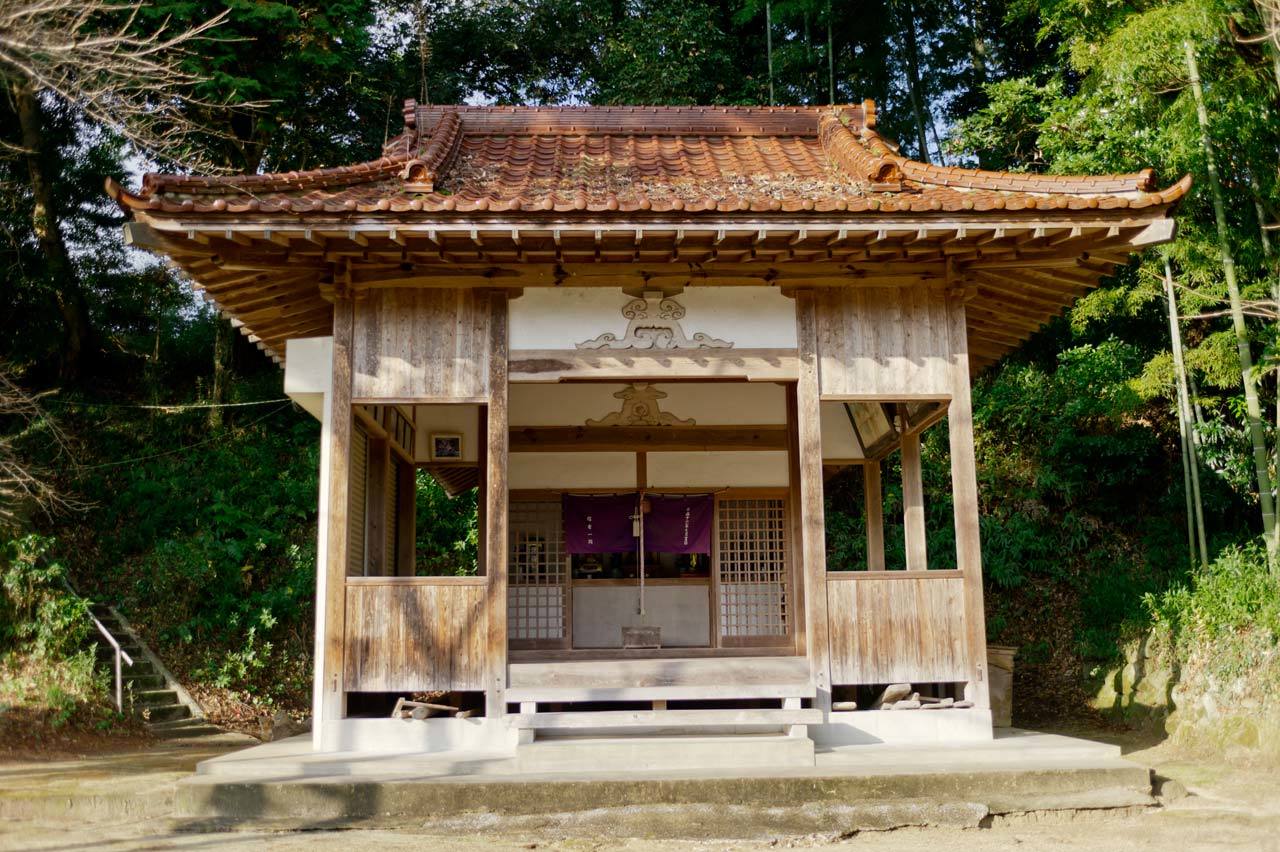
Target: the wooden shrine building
pixel 649 336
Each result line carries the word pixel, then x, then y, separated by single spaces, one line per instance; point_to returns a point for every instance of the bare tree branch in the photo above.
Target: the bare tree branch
pixel 95 56
pixel 23 486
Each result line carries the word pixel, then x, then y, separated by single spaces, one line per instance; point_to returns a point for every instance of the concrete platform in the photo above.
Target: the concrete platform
pixel 285 784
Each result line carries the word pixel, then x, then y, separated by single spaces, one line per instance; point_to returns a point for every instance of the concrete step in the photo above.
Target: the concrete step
pixel 184 729
pixel 165 712
pixel 154 697
pixel 676 721
pixel 140 682
pixel 661 754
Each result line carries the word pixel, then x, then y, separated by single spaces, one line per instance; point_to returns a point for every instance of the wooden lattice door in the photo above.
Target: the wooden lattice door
pixel 538 574
pixel 752 578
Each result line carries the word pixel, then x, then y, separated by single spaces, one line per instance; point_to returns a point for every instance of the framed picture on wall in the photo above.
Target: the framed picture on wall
pixel 446 446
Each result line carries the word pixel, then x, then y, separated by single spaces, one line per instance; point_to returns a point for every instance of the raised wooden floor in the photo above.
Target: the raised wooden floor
pixel 680 679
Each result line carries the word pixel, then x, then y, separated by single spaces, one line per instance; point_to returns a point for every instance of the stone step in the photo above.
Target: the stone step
pixel 165 712
pixel 672 720
pixel 660 754
pixel 139 682
pixel 186 729
pixel 154 697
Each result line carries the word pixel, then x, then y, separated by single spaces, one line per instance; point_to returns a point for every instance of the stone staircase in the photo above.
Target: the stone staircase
pixel 150 691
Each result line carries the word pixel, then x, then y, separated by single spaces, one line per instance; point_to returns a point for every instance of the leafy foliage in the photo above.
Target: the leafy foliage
pixel 448 533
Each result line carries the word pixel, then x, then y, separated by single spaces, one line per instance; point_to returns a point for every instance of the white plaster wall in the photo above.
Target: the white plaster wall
pixel 745 469
pixel 560 318
pixel 838 440
pixel 707 403
pixel 308 372
pixel 460 419
pixel 572 470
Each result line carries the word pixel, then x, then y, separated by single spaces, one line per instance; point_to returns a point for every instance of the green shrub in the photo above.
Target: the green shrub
pixel 38 613
pixel 1234 593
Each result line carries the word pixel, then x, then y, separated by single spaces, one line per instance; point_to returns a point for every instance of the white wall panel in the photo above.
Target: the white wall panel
pixel 561 318
pixel 746 469
pixel 572 470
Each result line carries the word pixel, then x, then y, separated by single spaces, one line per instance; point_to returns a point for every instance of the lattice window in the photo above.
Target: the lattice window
pixel 752 551
pixel 392 542
pixel 537 572
pixel 357 494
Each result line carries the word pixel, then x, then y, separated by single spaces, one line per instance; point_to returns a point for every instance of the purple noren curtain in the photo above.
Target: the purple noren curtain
pixel 598 524
pixel 679 524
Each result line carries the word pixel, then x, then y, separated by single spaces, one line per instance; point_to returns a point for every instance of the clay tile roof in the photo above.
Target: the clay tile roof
pixel 457 160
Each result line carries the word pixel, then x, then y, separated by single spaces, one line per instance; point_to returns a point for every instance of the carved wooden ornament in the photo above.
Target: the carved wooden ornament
pixel 640 408
pixel 654 323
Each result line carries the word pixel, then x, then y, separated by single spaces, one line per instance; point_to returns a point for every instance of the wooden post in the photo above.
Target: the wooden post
pixel 330 698
pixel 495 529
pixel 795 530
pixel 813 534
pixel 873 499
pixel 407 520
pixel 913 504
pixel 964 490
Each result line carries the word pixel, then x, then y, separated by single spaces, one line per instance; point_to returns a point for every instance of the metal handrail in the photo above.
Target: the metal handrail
pixel 119 653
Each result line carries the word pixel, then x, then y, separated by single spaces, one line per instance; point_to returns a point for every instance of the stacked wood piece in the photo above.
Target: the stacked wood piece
pixel 406 709
pixel 899 696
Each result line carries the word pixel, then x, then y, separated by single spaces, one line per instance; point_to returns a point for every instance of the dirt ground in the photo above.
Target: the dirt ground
pixel 1231 805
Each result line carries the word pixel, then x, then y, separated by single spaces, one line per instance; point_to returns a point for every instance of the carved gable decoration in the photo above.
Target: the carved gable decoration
pixel 654 323
pixel 640 408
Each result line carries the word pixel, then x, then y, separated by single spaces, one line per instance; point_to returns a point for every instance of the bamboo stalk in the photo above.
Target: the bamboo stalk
pixel 831 60
pixel 1261 458
pixel 768 46
pixel 1190 455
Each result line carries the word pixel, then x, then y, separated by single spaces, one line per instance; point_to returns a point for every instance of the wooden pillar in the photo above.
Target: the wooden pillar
pixel 795 529
pixel 964 490
pixel 330 699
pixel 913 504
pixel 813 533
pixel 407 520
pixel 495 526
pixel 873 499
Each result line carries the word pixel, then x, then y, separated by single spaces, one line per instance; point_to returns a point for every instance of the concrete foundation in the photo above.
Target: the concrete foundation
pixel 414 736
pixel 904 727
pixel 286 784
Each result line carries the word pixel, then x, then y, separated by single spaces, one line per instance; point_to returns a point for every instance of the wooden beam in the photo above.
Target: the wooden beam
pixel 553 365
pixel 496 490
pixel 813 542
pixel 964 496
pixel 550 439
pixel 913 504
pixel 873 500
